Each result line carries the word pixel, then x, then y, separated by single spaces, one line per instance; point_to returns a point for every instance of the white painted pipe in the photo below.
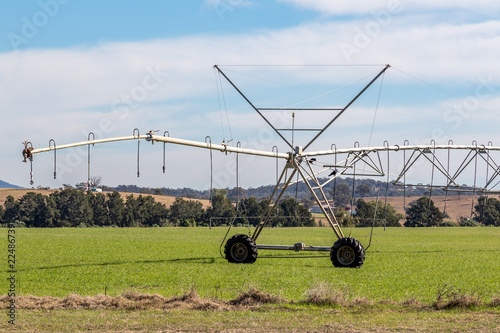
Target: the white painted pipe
pixel 158 138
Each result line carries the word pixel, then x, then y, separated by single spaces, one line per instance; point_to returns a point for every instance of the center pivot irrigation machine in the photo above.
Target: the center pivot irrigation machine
pixel 346 251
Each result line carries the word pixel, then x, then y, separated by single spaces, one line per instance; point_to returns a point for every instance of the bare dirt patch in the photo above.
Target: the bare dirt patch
pixel 255 297
pixel 320 295
pixel 126 301
pixel 138 301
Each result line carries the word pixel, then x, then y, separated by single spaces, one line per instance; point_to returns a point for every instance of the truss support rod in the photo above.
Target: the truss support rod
pixel 253 106
pixel 370 163
pixel 483 191
pixel 463 165
pixel 407 165
pixel 330 216
pixel 348 105
pixel 393 148
pixel 490 163
pixel 269 212
pixel 294 248
pixel 347 164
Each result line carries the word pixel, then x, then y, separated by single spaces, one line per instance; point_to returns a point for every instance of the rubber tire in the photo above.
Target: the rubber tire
pixel 241 249
pixel 347 252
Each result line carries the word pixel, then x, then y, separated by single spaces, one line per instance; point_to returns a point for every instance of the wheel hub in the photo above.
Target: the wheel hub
pixel 346 255
pixel 239 252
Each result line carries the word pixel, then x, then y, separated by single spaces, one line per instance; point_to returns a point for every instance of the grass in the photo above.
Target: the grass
pixel 402 263
pixel 410 276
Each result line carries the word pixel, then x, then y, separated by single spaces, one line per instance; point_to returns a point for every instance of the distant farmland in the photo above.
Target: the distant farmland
pixel 18 193
pixel 456 206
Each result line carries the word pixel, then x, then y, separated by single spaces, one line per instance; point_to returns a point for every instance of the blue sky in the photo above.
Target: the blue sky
pixel 70 67
pixel 84 23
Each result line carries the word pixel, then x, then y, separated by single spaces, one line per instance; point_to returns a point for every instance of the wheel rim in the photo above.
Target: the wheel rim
pixel 239 252
pixel 346 255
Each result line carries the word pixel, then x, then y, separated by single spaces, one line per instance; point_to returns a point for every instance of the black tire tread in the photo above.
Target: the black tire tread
pixel 355 245
pixel 248 242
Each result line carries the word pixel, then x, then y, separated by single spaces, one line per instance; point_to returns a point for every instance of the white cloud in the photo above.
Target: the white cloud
pixel 367 7
pixel 64 93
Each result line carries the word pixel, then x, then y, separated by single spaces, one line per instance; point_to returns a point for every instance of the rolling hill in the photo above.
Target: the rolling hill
pixel 18 193
pixel 7 185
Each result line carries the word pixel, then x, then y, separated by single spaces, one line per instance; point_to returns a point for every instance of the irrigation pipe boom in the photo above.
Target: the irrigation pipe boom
pixel 346 251
pixel 166 139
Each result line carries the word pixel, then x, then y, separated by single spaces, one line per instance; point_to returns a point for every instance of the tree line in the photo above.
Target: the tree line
pixel 423 213
pixel 77 208
pixel 420 213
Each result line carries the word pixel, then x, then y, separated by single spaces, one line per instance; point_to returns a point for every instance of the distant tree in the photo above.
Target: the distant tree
pixel 251 207
pixel 308 202
pixel 12 210
pixel 344 217
pixel 144 211
pixel 97 202
pixel 95 181
pixel 342 194
pixel 423 213
pixel 128 188
pixel 1 213
pixel 28 206
pixel 487 211
pixel 37 210
pixel 363 190
pixel 145 190
pixel 466 222
pixel 236 194
pixel 159 215
pixel 49 212
pixel 151 213
pixel 73 207
pixel 183 212
pixel 82 186
pixel 131 214
pixel 116 208
pixel 293 214
pixel 365 212
pixel 221 206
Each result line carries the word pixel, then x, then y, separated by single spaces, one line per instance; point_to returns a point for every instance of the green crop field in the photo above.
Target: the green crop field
pixel 149 274
pixel 401 264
